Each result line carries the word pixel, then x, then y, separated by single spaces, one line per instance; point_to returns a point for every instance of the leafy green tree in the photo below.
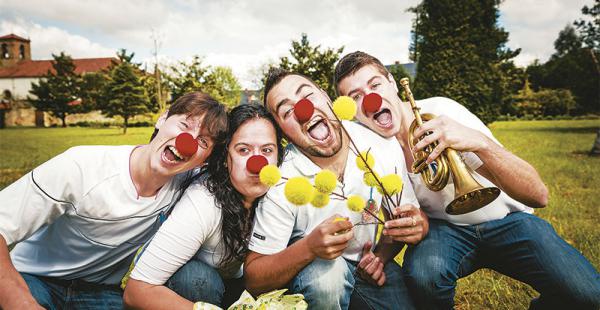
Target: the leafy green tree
pixel 222 85
pixel 460 51
pixel 186 77
pixel 124 93
pixel 92 87
pixel 313 62
pixel 59 91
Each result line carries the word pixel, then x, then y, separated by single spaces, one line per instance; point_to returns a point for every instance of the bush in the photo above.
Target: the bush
pixel 555 101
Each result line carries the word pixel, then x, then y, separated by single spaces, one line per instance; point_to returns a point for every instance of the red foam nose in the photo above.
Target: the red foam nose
pixel 186 145
pixel 371 103
pixel 304 110
pixel 255 163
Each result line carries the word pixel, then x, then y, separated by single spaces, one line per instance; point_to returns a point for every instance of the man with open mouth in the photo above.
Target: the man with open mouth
pixel 310 250
pixel 503 235
pixel 76 220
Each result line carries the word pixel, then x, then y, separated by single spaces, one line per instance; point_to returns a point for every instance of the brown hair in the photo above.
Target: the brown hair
pixel 352 62
pixel 198 103
pixel 274 76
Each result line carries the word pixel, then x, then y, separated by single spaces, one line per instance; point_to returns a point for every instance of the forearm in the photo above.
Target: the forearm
pixel 14 292
pixel 141 295
pixel 264 273
pixel 513 175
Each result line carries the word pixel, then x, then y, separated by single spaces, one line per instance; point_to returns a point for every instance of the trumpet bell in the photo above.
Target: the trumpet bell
pixel 472 200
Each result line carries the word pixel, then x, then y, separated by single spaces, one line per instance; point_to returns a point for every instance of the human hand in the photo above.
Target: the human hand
pixel 370 267
pixel 449 134
pixel 330 238
pixel 410 228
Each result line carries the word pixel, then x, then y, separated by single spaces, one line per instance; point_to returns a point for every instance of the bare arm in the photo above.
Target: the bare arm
pixel 141 295
pixel 268 272
pixel 14 292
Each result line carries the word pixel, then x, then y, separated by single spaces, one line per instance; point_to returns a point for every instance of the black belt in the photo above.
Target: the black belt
pixel 81 285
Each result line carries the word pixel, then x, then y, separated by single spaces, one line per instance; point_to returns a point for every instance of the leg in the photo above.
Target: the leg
pixel 392 295
pixel 325 284
pixel 433 266
pixel 95 299
pixel 528 249
pixel 46 294
pixel 197 281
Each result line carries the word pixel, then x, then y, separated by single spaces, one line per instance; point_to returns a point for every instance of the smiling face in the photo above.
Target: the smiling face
pixel 320 135
pixel 254 137
pixel 386 121
pixel 165 158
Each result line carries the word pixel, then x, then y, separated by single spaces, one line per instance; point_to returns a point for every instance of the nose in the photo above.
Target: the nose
pixel 255 163
pixel 371 103
pixel 304 110
pixel 186 145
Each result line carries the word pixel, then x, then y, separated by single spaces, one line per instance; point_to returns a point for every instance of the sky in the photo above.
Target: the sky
pixel 248 35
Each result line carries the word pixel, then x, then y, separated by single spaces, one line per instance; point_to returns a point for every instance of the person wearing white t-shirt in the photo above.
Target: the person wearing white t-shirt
pixel 197 254
pixel 304 248
pixel 76 220
pixel 504 235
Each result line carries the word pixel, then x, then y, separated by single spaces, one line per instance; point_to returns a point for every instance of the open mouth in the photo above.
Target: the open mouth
pixel 383 118
pixel 318 130
pixel 171 155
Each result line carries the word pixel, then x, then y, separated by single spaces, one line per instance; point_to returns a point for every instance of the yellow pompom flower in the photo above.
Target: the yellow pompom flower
pixel 269 175
pixel 368 157
pixel 298 191
pixel 370 180
pixel 392 184
pixel 325 181
pixel 344 107
pixel 320 200
pixel 355 203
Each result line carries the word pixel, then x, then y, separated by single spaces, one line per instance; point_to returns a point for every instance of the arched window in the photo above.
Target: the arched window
pixel 21 52
pixel 7 94
pixel 5 53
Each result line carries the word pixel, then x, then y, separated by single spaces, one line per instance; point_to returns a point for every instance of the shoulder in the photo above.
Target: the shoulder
pixel 198 202
pixel 442 106
pixel 98 154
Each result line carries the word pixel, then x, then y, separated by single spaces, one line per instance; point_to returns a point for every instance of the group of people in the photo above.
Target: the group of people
pixel 199 226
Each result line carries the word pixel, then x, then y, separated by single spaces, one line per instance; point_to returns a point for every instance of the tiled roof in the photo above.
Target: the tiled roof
pixel 13 36
pixel 39 68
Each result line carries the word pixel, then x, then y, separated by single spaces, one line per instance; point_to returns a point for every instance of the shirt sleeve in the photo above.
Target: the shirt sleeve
pixel 273 223
pixel 192 221
pixel 40 197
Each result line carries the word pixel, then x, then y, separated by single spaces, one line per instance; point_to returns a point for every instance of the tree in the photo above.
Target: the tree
pixel 460 53
pixel 124 94
pixel 222 85
pixel 313 62
pixel 398 72
pixel 186 77
pixel 59 91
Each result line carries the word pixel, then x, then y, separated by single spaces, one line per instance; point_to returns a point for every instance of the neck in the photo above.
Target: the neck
pixel 248 202
pixel 407 117
pixel 337 162
pixel 146 182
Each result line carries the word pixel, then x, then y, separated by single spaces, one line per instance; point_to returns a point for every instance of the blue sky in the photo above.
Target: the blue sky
pixel 247 35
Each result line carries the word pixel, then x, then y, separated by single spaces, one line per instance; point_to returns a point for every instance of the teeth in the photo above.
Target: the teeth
pixel 313 122
pixel 177 155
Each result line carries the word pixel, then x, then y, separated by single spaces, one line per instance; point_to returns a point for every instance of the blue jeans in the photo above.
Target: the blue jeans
pixel 521 246
pixel 333 284
pixel 52 293
pixel 197 281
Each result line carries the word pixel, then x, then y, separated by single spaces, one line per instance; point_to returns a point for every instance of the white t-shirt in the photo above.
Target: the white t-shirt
pixel 193 228
pixel 277 221
pixel 78 216
pixel 434 203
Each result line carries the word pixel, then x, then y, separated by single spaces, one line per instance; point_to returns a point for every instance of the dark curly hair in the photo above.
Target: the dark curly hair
pixel 236 221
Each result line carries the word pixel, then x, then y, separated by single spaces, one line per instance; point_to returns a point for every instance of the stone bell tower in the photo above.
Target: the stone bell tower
pixel 13 49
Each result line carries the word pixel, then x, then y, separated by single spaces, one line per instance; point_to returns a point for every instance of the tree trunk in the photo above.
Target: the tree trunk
pixel 596 147
pixel 63 118
pixel 125 125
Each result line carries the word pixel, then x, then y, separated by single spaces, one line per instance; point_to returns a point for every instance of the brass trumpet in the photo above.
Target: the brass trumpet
pixel 469 195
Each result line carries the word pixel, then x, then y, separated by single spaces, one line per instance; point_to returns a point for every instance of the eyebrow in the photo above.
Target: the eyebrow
pixel 368 82
pixel 246 144
pixel 286 100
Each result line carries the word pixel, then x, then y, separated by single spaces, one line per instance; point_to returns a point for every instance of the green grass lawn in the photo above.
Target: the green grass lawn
pixel 557 149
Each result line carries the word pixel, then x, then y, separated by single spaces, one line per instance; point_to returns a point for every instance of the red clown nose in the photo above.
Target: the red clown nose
pixel 304 110
pixel 255 163
pixel 371 103
pixel 186 145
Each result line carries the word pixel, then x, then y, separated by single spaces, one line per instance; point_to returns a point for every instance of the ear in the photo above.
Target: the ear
pixel 393 81
pixel 161 120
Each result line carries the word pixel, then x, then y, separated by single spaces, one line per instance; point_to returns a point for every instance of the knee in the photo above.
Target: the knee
pixel 325 284
pixel 197 281
pixel 429 276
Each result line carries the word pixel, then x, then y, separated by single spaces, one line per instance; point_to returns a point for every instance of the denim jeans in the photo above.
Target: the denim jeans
pixel 53 293
pixel 521 246
pixel 197 281
pixel 334 284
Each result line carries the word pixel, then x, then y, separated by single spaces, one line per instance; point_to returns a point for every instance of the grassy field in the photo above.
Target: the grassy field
pixel 558 149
